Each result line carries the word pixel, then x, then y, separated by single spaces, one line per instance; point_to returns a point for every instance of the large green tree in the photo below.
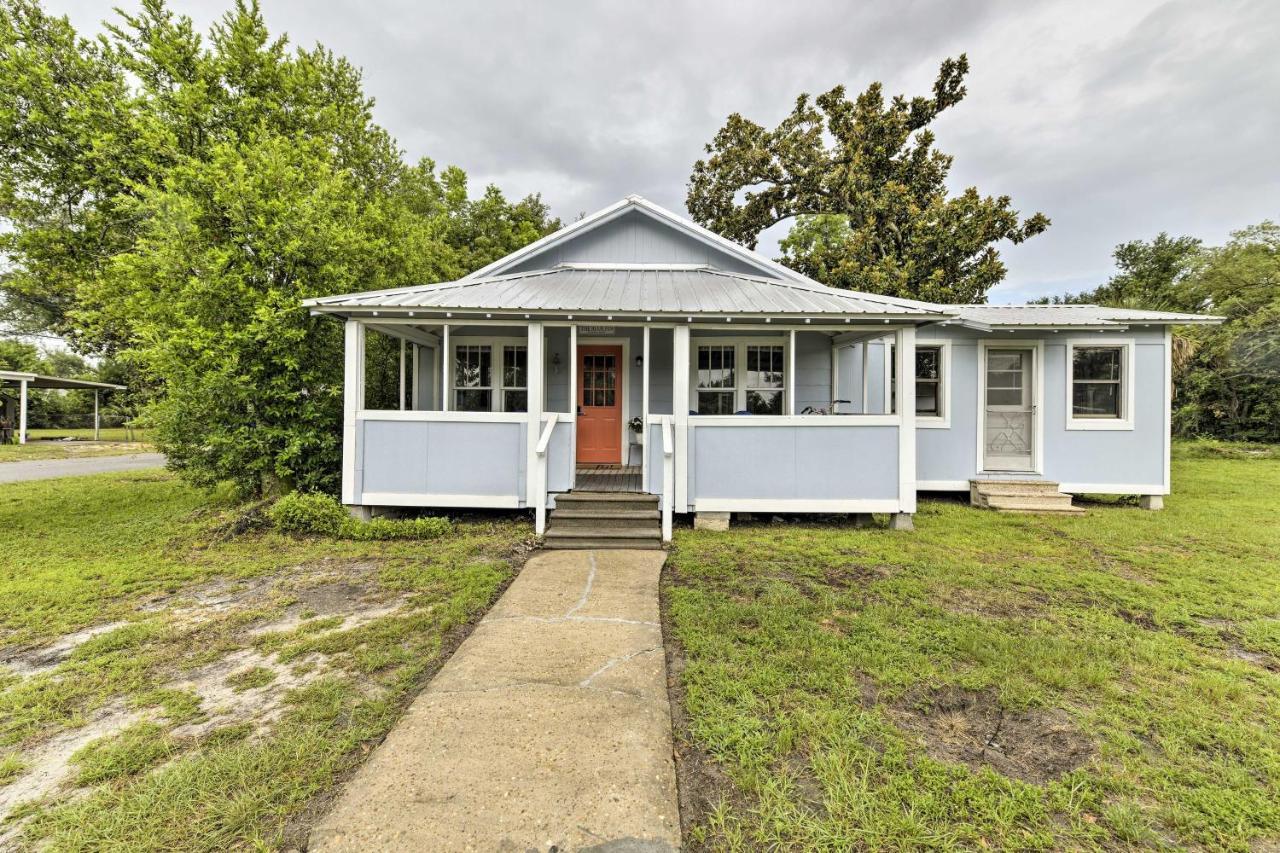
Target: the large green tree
pixel 868 191
pixel 170 199
pixel 1227 377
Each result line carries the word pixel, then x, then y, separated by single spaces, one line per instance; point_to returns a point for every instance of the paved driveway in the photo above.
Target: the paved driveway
pixel 548 729
pixel 44 469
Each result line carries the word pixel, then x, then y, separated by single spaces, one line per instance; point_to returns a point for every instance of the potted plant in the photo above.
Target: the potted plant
pixel 636 425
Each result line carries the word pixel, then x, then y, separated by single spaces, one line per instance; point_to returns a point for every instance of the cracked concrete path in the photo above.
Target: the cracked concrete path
pixel 549 728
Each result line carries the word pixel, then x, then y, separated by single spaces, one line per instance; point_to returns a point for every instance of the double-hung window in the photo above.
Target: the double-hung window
pixel 473 378
pixel 480 386
pixel 1100 385
pixel 765 380
pixel 739 376
pixel 932 394
pixel 717 379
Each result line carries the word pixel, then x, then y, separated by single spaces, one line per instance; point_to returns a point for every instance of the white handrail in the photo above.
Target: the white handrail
pixel 668 476
pixel 545 438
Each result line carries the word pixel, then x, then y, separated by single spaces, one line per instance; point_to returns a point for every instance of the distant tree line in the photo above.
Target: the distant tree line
pixel 1226 378
pixel 168 199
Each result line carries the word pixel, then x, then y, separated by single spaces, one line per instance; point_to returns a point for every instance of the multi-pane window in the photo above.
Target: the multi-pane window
pixel 929 381
pixel 1096 378
pixel 479 387
pixel 717 379
pixel 764 381
pixel 599 373
pixel 473 378
pixel 515 379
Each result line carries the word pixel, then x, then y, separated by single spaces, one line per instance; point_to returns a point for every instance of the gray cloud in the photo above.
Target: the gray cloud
pixel 1116 120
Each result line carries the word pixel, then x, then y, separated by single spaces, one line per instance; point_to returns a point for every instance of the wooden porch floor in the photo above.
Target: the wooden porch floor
pixel 608 478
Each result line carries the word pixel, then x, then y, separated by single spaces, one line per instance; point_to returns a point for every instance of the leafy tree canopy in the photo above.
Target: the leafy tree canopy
pixel 1227 377
pixel 171 198
pixel 868 190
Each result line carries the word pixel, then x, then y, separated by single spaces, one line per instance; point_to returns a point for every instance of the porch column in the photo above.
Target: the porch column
pixel 644 410
pixel 906 390
pixel 22 411
pixel 680 409
pixel 402 349
pixel 791 372
pixel 444 370
pixel 415 358
pixel 352 402
pixel 573 406
pixel 534 487
pixel 866 374
pixel 97 423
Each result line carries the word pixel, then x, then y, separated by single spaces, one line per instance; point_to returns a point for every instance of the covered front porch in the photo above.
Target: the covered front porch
pixel 711 414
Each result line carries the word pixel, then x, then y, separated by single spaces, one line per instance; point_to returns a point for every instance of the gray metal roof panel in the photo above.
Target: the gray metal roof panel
pixel 660 291
pixel 1070 315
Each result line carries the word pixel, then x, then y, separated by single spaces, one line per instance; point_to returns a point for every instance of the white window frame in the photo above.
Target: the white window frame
pixel 943 420
pixel 739 345
pixel 1126 393
pixel 496 386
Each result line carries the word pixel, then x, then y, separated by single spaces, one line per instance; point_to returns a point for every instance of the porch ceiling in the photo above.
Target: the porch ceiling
pixel 669 290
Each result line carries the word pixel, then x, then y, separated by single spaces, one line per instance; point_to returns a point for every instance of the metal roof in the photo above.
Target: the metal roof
pixel 1067 316
pixel 36 380
pixel 642 289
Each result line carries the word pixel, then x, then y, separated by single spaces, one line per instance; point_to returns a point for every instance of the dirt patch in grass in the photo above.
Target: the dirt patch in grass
pixel 991 604
pixel 701 783
pixel 32 661
pixel 972 728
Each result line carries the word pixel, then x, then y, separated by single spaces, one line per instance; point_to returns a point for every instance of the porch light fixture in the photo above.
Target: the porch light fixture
pixel 639 361
pixel 555 362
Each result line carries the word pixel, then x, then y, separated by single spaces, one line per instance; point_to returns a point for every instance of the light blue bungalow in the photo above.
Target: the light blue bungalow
pixel 634 365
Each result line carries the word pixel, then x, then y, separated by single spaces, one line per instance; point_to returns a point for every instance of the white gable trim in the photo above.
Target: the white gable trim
pixel 653 211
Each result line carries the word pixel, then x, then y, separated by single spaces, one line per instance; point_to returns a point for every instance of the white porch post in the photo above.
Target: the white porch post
pixel 573 405
pixel 645 435
pixel 906 389
pixel 444 370
pixel 680 408
pixel 352 402
pixel 791 372
pixel 22 411
pixel 402 349
pixel 866 374
pixel 97 422
pixel 534 484
pixel 415 358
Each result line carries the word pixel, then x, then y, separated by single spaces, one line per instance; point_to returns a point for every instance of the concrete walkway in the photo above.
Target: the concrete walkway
pixel 45 469
pixel 549 728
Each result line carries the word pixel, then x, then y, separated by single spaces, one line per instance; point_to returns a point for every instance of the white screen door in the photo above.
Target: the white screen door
pixel 1009 431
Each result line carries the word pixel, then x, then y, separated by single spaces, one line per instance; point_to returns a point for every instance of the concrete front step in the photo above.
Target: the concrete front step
pixel 1031 503
pixel 1021 496
pixel 606 498
pixel 586 544
pixel 556 531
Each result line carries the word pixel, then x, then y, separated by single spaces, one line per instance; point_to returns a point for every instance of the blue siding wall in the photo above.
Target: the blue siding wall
pixel 634 238
pixel 442 458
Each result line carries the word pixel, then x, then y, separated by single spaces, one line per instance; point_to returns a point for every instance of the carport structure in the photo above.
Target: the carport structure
pixel 27 381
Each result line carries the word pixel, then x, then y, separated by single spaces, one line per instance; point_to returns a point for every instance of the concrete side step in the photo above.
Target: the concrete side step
pixel 1011 481
pixel 992 489
pixel 1024 503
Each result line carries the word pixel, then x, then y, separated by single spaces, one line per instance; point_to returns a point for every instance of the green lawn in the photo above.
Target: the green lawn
pixel 1018 682
pixel 195 683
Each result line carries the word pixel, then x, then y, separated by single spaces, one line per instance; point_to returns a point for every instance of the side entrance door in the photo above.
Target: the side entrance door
pixel 600 404
pixel 1009 422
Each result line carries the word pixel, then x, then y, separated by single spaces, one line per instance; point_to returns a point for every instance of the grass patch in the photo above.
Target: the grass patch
pixel 12 765
pixel 1018 682
pixel 129 601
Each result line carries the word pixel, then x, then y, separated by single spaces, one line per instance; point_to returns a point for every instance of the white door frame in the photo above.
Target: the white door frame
pixel 1036 345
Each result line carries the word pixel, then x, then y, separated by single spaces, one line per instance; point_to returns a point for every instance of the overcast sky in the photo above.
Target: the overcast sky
pixel 1116 119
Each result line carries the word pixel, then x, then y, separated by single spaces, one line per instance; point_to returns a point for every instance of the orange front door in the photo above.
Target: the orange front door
pixel 600 404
